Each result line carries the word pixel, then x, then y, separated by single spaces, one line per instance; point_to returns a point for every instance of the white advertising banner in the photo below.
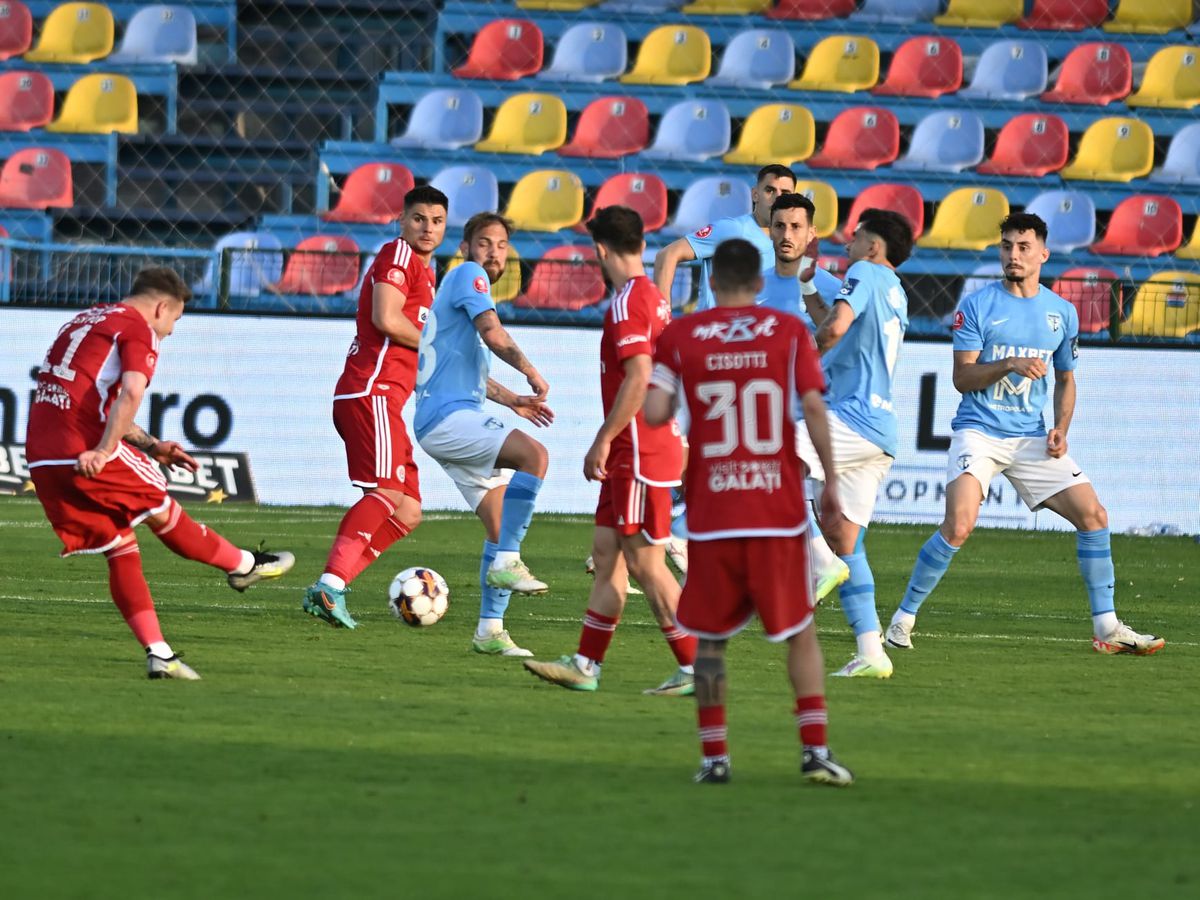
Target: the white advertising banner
pixel 263 386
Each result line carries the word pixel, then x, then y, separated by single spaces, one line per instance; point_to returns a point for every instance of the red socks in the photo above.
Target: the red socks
pixel 812 720
pixel 130 592
pixel 389 533
pixel 713 735
pixel 682 644
pixel 355 535
pixel 185 536
pixel 597 634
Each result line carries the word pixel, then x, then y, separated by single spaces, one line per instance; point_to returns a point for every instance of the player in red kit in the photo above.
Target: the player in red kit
pixel 636 464
pixel 91 465
pixel 741 370
pixel 379 377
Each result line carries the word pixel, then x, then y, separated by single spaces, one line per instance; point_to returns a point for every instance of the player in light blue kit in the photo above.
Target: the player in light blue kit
pixel 859 338
pixel 477 450
pixel 1006 336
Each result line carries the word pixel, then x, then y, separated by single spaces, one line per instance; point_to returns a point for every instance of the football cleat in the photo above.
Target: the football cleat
pixel 862 667
pixel 565 672
pixel 266 565
pixel 677 553
pixel 515 577
pixel 1124 639
pixel 820 767
pixel 898 635
pixel 328 604
pixel 498 644
pixel 829 578
pixel 713 773
pixel 680 684
pixel 157 667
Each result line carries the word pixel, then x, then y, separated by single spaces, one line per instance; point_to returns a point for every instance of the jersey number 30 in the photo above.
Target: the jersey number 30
pixel 737 411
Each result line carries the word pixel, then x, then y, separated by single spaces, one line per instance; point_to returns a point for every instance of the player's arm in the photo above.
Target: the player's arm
pixel 817 424
pixel 834 325
pixel 120 420
pixel 1064 411
pixel 659 406
pixel 500 342
pixel 387 314
pixel 972 375
pixel 169 453
pixel 810 293
pixel 667 260
pixel 531 408
pixel 628 401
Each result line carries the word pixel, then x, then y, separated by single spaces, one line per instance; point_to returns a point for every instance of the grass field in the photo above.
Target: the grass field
pixel 1004 759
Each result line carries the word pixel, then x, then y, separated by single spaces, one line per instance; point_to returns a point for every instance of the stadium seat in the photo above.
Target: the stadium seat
pixel 840 62
pixel 546 200
pixel 825 199
pixel 74 33
pixel 159 34
pixel 980 277
pixel 564 278
pixel 811 9
pixel 947 141
pixel 708 199
pixel 609 128
pixel 1065 15
pixel 1142 225
pixel 1191 250
pixel 26 101
pixel 1172 80
pixel 374 192
pixel 1157 17
pixel 758 58
pixel 1032 145
pixel 967 219
pixel 99 104
pixel 924 67
pixel 1166 305
pixel 254 260
pixel 899 12
pixel 509 283
pixel 863 137
pixel 557 5
pixel 672 54
pixel 504 50
pixel 646 194
pixel 1009 70
pixel 902 198
pixel 527 123
pixel 725 7
pixel 641 7
pixel 36 178
pixel 1113 149
pixel 589 51
pixel 469 189
pixel 1090 291
pixel 1070 218
pixel 1182 165
pixel 776 133
pixel 321 265
pixel 443 119
pixel 16 28
pixel 692 130
pixel 1094 74
pixel 981 13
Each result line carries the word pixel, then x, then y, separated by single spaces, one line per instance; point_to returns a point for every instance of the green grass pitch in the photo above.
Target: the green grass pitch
pixel 1003 759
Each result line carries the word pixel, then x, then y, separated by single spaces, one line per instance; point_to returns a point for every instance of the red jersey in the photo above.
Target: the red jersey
pixel 740 371
pixel 81 376
pixel 374 364
pixel 632 325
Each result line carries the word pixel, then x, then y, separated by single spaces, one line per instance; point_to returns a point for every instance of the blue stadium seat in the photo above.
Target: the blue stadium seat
pixel 1070 218
pixel 980 278
pixel 946 141
pixel 1182 165
pixel 255 260
pixel 757 58
pixel 1009 70
pixel 470 189
pixel 706 200
pixel 159 34
pixel 692 130
pixel 904 12
pixel 590 51
pixel 444 119
pixel 644 7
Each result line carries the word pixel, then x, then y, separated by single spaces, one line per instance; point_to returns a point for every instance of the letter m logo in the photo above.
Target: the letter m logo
pixel 1005 388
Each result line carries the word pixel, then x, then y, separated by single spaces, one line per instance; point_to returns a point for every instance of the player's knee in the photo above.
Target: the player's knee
pixel 1094 518
pixel 537 459
pixel 956 530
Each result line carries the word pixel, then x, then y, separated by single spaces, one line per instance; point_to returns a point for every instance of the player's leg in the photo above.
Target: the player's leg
pixel 806 670
pixel 710 712
pixel 529 460
pixel 827 571
pixel 491 637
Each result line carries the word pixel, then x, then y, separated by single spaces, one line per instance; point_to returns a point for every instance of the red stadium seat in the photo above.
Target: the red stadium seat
pixel 1145 225
pixel 1065 15
pixel 565 278
pixel 36 178
pixel 16 29
pixel 26 101
pixel 924 67
pixel 646 194
pixel 505 50
pixel 902 198
pixel 321 265
pixel 1094 74
pixel 812 9
pixel 834 265
pixel 609 128
pixel 863 137
pixel 1032 144
pixel 1090 291
pixel 374 192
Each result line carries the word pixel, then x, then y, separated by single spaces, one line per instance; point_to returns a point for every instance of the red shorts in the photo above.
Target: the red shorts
pixel 92 515
pixel 730 580
pixel 630 506
pixel 378 450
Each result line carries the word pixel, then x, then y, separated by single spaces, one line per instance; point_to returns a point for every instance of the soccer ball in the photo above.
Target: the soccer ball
pixel 418 596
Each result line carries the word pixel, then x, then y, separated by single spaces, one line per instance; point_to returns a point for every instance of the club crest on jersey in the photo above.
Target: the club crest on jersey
pixel 422 314
pixel 959 320
pixel 848 287
pixel 151 359
pixel 395 276
pixel 743 328
pixel 1054 320
pixel 704 232
pixel 481 285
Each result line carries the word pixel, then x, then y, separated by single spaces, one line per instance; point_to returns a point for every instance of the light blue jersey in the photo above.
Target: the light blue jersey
pixel 704 244
pixel 999 325
pixel 859 367
pixel 783 293
pixel 453 365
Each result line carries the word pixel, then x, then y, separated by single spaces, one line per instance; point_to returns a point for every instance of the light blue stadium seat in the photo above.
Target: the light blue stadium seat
pixel 706 200
pixel 980 278
pixel 693 130
pixel 645 7
pixel 470 189
pixel 255 260
pixel 899 11
pixel 444 119
pixel 159 34
pixel 590 51
pixel 1182 165
pixel 1009 70
pixel 946 141
pixel 1070 218
pixel 757 58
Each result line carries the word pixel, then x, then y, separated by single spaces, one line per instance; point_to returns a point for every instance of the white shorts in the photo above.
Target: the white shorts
pixel 1022 460
pixel 860 465
pixel 466 444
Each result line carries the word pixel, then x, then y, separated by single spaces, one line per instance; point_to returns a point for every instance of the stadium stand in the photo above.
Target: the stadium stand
pixel 1172 79
pixel 945 142
pixel 639 191
pixel 844 63
pixel 1113 149
pixel 1009 70
pixel 967 219
pixel 372 193
pixel 159 34
pixel 16 29
pixel 775 133
pixel 1031 145
pixel 26 101
pixel 546 200
pixel 1094 74
pixel 99 104
pixel 36 178
pixel 860 138
pixel 1157 17
pixel 444 119
pixel 527 123
pixel 609 128
pixel 74 33
pixel 672 54
pixel 1145 225
pixel 1065 15
pixel 692 130
pixel 924 67
pixel 757 58
pixel 902 12
pixel 505 50
pixel 588 52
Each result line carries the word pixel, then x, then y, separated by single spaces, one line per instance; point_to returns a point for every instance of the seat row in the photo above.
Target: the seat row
pixel 84 32
pixel 95 104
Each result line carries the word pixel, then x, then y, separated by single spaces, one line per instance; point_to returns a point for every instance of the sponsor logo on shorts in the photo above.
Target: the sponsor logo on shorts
pixel 481 285
pixel 493 424
pixel 704 232
pixel 964 461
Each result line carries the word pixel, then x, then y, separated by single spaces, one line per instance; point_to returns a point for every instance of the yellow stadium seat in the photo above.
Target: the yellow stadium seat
pixel 99 104
pixel 967 219
pixel 672 54
pixel 841 62
pixel 74 33
pixel 1172 80
pixel 546 200
pixel 1113 149
pixel 1150 16
pixel 981 13
pixel 509 284
pixel 825 199
pixel 1167 305
pixel 726 7
pixel 527 123
pixel 1191 250
pixel 775 133
pixel 558 6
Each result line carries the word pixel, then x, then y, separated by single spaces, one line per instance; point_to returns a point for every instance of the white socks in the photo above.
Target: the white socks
pixel 338 584
pixel 587 666
pixel 245 565
pixel 1105 624
pixel 504 557
pixel 489 628
pixel 908 620
pixel 870 645
pixel 161 649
